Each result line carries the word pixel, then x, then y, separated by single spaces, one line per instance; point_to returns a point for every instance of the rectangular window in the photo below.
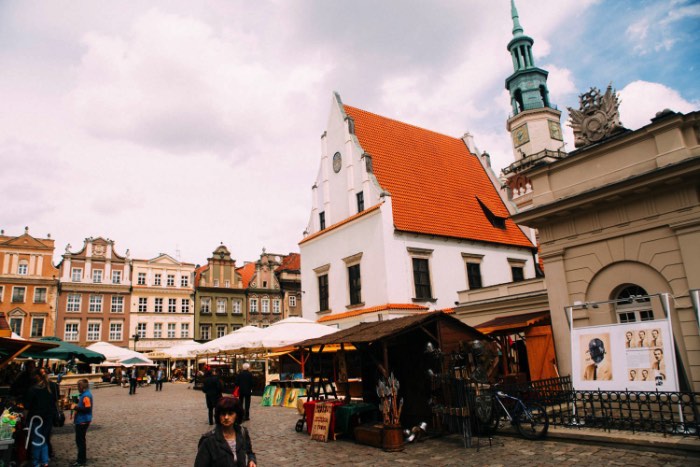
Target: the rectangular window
pixel 118 304
pixel 323 292
pixel 518 273
pixel 16 325
pixel 216 282
pixel 276 306
pixel 204 332
pixel 116 277
pixel 205 305
pixel 158 308
pixel 322 220
pixel 171 330
pixel 474 275
pixel 184 281
pixel 40 295
pixel 171 280
pixel 253 305
pixel 76 274
pixel 115 331
pixel 18 294
pixel 355 284
pixel 141 330
pixel 2 292
pixel 221 305
pixel 73 303
pixel 360 201
pixel 292 301
pixel 37 327
pixel 93 331
pixel 143 304
pixel 185 330
pixel 156 280
pixel 23 268
pixel 95 304
pixel 141 279
pixel 220 330
pixel 157 330
pixel 236 307
pixel 265 305
pixel 185 305
pixel 172 305
pixel 421 278
pixel 70 333
pixel 97 276
pixel 228 283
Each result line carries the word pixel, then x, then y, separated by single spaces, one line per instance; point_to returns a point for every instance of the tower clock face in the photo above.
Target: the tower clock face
pixel 337 162
pixel 520 135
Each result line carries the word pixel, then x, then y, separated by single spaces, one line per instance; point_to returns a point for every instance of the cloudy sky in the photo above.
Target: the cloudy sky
pixel 176 125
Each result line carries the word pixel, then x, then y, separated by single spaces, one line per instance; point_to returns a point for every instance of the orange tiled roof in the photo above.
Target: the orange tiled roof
pixel 388 306
pixel 291 262
pixel 434 181
pixel 198 274
pixel 343 222
pixel 247 272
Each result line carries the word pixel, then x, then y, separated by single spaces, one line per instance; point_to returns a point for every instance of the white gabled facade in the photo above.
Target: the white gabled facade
pixel 385 255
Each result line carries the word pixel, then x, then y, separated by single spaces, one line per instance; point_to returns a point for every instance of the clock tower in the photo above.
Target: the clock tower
pixel 535 123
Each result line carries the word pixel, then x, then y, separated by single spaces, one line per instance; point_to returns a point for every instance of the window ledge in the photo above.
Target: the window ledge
pixel 324 312
pixel 356 305
pixel 418 300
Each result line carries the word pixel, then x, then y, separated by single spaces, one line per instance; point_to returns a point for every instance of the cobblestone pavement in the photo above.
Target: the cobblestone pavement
pixel 162 428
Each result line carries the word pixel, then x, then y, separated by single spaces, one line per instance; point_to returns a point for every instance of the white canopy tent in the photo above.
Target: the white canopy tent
pixel 240 338
pixel 180 351
pixel 115 354
pixel 288 331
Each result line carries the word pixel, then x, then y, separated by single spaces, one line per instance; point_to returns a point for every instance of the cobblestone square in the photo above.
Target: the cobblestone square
pixel 163 428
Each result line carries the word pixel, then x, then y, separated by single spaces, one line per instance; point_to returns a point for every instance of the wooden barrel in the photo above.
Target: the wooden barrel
pixel 392 438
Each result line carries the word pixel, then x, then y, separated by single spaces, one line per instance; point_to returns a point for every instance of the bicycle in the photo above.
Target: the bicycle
pixel 529 418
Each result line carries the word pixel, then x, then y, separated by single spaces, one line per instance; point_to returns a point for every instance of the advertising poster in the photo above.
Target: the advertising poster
pixel 634 356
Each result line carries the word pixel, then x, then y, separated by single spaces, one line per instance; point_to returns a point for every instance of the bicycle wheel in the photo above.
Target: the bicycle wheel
pixel 532 421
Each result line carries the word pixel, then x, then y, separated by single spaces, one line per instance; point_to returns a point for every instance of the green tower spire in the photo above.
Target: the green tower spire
pixel 517 29
pixel 527 84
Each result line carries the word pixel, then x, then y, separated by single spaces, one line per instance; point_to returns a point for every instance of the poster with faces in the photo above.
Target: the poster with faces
pixel 634 356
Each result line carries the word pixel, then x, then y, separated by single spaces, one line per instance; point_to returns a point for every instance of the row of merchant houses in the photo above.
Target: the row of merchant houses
pixel 96 294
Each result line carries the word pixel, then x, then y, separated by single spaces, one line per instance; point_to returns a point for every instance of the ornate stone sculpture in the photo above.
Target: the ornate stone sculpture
pixel 597 118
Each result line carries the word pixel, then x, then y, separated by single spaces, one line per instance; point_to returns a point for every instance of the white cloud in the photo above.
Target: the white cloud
pixel 641 100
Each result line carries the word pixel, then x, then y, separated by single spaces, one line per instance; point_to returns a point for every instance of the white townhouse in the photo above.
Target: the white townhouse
pixel 402 219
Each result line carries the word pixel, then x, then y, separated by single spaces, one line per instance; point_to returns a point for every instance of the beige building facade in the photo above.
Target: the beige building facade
pixel 619 224
pixel 162 310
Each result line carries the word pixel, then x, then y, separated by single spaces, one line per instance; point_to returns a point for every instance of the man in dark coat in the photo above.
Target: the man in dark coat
pixel 244 381
pixel 212 388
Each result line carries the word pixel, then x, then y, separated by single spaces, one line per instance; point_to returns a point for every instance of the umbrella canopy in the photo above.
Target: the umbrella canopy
pixel 10 348
pixel 114 353
pixel 237 339
pixel 183 350
pixel 65 351
pixel 140 361
pixel 286 332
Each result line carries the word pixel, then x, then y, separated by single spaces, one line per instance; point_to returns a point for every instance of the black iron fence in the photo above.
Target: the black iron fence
pixel 670 413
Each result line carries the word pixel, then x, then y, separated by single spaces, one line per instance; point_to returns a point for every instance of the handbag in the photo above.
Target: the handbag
pixel 60 419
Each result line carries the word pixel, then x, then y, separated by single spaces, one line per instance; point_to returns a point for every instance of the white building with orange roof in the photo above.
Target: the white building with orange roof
pixel 402 219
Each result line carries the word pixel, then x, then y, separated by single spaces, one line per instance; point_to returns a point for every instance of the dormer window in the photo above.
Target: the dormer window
pixel 496 221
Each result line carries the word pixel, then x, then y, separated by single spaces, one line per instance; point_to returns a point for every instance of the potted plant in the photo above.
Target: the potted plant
pixel 392 434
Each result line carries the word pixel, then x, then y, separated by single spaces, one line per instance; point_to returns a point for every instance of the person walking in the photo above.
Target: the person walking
pixel 228 444
pixel 244 381
pixel 133 380
pixel 212 388
pixel 82 420
pixel 160 376
pixel 41 409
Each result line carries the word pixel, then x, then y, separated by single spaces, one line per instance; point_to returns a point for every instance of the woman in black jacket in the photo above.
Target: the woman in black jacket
pixel 227 445
pixel 41 408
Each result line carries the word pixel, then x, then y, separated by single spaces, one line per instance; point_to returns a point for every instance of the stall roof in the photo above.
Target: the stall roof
pixel 514 323
pixel 378 330
pixel 11 348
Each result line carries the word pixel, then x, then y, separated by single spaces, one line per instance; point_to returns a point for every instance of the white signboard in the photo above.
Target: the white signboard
pixel 635 356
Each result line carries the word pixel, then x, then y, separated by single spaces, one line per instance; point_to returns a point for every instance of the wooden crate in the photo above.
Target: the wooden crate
pixel 371 435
